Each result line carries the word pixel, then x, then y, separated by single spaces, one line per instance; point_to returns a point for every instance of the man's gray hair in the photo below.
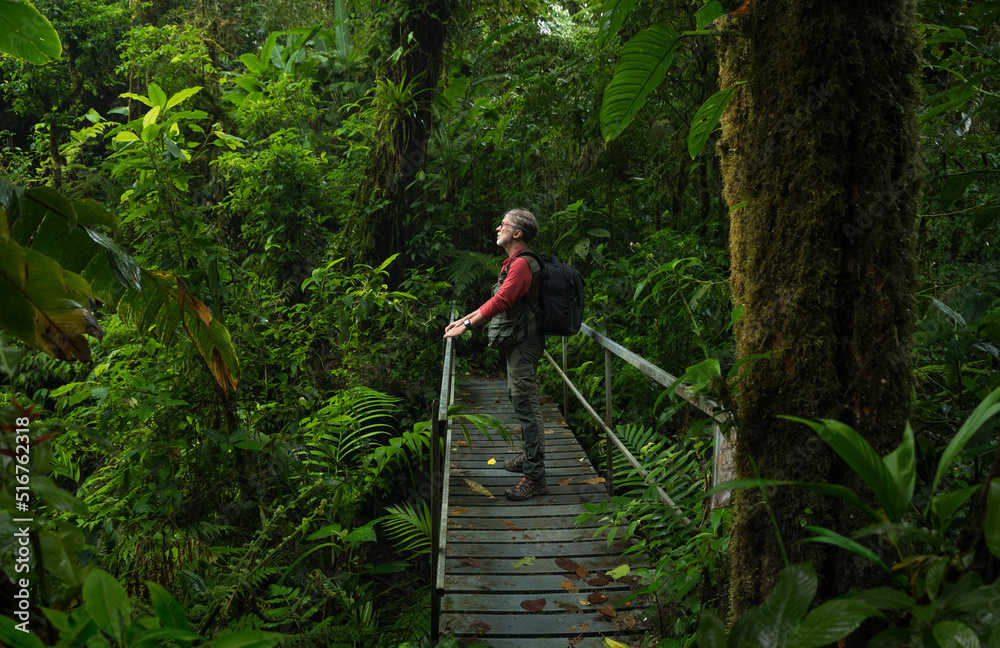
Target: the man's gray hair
pixel 525 221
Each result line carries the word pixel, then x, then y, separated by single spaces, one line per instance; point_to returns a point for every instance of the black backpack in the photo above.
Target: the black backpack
pixel 560 296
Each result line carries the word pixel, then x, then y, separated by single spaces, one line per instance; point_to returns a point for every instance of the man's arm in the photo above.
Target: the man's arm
pixel 514 287
pixel 458 327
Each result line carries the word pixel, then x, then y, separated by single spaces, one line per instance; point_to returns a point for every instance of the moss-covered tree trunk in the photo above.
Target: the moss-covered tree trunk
pixel 421 32
pixel 821 144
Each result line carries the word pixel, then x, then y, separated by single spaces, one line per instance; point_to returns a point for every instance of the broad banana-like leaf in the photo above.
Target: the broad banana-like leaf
pixel 27 34
pixel 641 67
pixel 55 264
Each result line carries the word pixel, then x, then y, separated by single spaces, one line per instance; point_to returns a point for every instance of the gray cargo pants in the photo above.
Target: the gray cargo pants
pixel 522 387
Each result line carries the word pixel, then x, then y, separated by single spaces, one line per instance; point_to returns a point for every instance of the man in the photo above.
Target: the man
pixel 513 330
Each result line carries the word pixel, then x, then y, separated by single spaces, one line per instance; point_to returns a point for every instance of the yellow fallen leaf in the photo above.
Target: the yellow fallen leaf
pixel 477 488
pixel 565 481
pixel 611 643
pixel 491 461
pixel 458 511
pixel 569 587
pixel 582 602
pixel 593 480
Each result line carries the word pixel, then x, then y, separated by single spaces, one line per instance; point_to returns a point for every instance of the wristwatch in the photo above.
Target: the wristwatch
pixel 468 324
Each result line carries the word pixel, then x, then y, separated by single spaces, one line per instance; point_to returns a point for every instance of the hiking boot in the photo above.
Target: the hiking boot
pixel 514 465
pixel 526 489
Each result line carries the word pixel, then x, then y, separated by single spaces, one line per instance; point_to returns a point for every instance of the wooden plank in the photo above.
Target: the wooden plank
pixel 508 509
pixel 579 470
pixel 544 565
pixel 518 535
pixel 580 641
pixel 460 521
pixel 575 603
pixel 485 583
pixel 566 624
pixel 583 550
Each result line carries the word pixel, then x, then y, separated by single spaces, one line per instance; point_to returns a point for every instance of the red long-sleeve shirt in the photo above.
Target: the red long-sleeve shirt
pixel 514 287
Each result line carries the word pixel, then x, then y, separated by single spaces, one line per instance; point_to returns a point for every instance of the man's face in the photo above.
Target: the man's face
pixel 505 232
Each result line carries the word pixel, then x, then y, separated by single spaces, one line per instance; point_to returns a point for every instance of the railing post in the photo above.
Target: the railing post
pixel 565 387
pixel 610 477
pixel 435 516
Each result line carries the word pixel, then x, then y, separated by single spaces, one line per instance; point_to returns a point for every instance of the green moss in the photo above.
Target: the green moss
pixel 822 145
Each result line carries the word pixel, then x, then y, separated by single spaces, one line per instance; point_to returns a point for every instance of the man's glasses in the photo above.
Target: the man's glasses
pixel 503 225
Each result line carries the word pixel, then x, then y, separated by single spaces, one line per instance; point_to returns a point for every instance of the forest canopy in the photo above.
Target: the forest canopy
pixel 232 231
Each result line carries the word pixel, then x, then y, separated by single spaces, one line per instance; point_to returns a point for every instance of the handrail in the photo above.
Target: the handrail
pixel 617 442
pixel 441 428
pixel 722 447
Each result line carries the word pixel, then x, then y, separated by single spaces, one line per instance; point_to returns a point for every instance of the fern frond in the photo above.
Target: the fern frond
pixel 409 528
pixel 470 268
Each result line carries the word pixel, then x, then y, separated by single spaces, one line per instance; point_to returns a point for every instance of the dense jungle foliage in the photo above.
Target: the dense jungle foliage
pixel 232 232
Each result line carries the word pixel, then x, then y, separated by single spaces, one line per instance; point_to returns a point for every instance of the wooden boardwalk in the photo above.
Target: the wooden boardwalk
pixel 522 573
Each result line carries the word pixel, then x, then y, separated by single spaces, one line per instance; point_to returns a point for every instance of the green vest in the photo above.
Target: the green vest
pixel 517 323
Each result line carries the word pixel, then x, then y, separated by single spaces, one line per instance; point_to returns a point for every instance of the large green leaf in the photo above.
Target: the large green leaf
pixel 613 14
pixel 711 631
pixel 641 67
pixel 984 412
pixel 707 118
pixel 44 305
pixel 831 622
pixel 826 536
pixel 27 34
pixel 342 35
pixel 862 458
pixel 167 608
pixel 991 526
pixel 787 603
pixel 107 603
pixel 902 466
pixel 952 634
pixel 11 635
pixel 248 639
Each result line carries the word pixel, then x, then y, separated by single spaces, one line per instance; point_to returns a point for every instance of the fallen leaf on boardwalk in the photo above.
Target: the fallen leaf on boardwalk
pixel 593 480
pixel 597 597
pixel 567 564
pixel 550 431
pixel 458 511
pixel 609 611
pixel 619 572
pixel 597 582
pixel 535 605
pixel 491 461
pixel 471 562
pixel 575 640
pixel 566 481
pixel 478 488
pixel 611 643
pixel 480 628
pixel 462 444
pixel 569 607
pixel 485 588
pixel 582 572
pixel 625 621
pixel 582 602
pixel 527 560
pixel 569 587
